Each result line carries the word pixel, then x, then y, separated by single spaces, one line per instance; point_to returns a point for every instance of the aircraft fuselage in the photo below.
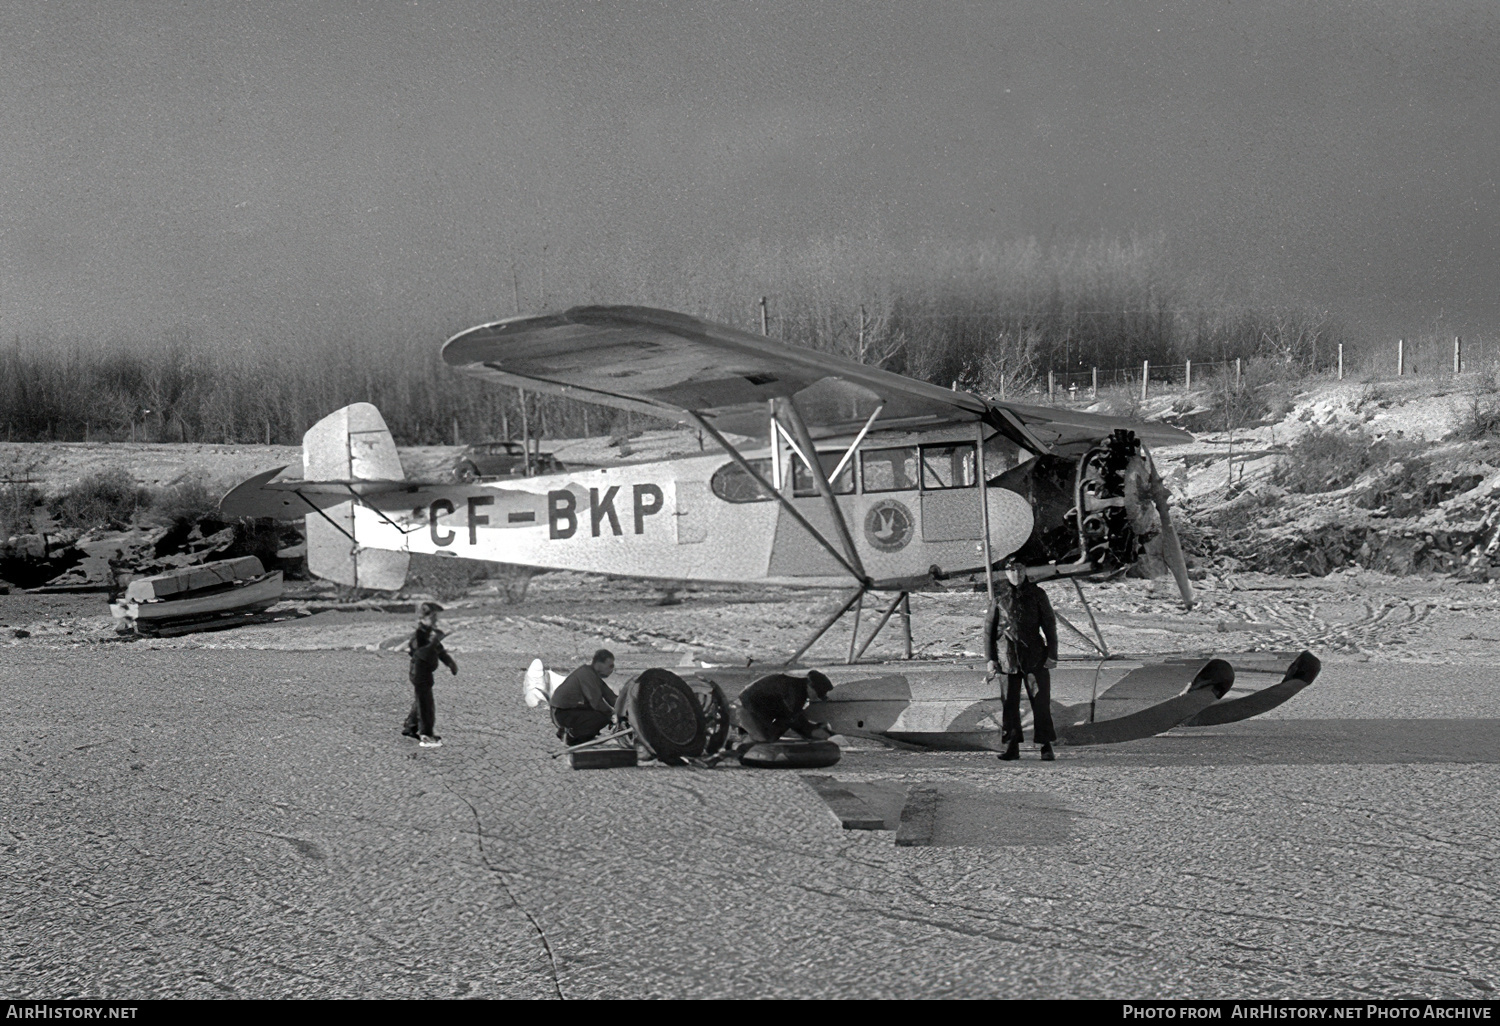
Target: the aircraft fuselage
pixel 910 502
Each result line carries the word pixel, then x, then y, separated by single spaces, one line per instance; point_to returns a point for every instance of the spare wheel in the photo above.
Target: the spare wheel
pixel 665 715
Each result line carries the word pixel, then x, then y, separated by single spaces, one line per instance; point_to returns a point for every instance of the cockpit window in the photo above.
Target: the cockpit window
pixel 732 484
pixel 948 466
pixel 803 484
pixel 889 470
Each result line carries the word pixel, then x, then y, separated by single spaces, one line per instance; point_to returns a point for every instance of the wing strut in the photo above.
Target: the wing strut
pixel 815 467
pixel 744 464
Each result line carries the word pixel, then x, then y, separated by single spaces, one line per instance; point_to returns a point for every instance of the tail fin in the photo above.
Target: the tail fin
pixel 352 444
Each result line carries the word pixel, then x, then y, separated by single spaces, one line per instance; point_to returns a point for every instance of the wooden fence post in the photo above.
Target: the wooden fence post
pixel 1458 356
pixel 1341 361
pixel 765 322
pixel 1188 377
pixel 1051 384
pixel 1400 357
pixel 1145 377
pixel 1094 388
pixel 1236 373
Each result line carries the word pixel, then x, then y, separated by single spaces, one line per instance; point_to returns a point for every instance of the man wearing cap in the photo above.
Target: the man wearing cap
pixel 425 647
pixel 775 704
pixel 583 705
pixel 1020 640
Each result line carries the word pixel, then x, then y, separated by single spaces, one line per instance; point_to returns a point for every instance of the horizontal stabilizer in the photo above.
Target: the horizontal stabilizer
pixel 292 499
pixel 253 499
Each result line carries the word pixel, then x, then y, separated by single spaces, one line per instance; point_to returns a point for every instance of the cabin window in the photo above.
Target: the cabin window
pixel 948 466
pixel 732 484
pixel 889 470
pixel 803 484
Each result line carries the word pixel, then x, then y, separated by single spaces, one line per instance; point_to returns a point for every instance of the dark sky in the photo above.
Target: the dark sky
pixel 240 169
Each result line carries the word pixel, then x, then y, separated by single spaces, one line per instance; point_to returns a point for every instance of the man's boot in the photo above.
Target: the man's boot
pixel 1047 755
pixel 1012 752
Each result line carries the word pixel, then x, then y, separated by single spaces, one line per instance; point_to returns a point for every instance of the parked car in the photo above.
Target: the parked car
pixel 501 459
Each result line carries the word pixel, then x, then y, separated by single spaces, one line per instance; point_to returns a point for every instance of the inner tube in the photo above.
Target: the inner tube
pixel 790 754
pixel 666 715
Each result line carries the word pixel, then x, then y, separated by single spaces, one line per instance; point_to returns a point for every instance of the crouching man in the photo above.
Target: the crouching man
pixel 773 705
pixel 583 705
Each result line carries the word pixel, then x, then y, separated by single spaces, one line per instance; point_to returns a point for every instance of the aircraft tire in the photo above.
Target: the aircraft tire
pixel 790 755
pixel 666 715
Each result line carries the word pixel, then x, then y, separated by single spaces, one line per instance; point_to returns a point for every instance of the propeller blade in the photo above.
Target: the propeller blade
pixel 1171 547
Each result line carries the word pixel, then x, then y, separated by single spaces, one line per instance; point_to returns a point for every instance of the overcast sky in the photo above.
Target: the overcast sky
pixel 246 168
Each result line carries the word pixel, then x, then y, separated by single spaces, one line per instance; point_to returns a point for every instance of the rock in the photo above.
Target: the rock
pixel 28 546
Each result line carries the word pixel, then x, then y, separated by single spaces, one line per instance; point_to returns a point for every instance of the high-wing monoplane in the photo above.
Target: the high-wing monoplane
pixel 830 473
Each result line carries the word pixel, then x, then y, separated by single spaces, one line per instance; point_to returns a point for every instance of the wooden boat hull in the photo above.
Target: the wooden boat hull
pixel 252 595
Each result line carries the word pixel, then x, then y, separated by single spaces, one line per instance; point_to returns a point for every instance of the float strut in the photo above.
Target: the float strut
pixel 1102 647
pixel 883 618
pixel 859 607
pixel 822 630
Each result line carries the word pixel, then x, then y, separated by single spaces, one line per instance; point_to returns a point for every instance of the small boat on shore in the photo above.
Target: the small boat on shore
pixel 198 592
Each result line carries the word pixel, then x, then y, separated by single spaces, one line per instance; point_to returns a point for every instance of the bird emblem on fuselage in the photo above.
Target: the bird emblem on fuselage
pixel 888 525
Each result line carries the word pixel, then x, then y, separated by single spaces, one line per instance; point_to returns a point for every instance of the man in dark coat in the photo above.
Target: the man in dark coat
pixel 1020 640
pixel 425 647
pixel 583 705
pixel 775 704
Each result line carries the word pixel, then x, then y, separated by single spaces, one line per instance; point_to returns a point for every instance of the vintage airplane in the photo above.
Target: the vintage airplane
pixel 857 477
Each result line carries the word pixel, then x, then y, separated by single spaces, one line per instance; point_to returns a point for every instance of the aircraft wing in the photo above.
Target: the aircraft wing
pixel 671 365
pixel 1065 430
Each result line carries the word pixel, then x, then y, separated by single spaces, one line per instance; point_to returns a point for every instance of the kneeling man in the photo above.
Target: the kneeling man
pixel 583 705
pixel 773 705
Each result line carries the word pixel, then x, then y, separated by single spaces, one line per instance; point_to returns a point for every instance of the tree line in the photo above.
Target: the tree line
pixel 991 317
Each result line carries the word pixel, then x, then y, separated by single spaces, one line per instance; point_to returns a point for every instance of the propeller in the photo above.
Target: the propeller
pixel 1171 547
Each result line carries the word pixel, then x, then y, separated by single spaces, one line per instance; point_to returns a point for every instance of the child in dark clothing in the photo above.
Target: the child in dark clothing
pixel 426 650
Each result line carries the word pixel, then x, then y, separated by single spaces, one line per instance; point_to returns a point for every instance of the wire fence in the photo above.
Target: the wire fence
pixel 1455 359
pixel 1144 379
